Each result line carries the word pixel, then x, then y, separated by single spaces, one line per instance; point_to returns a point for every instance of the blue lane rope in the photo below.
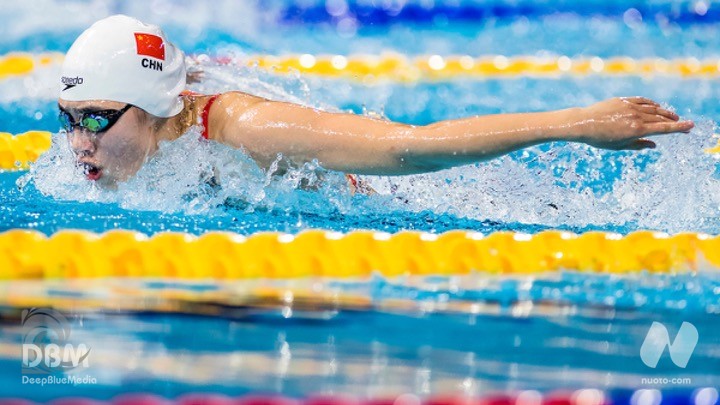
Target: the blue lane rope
pixel 367 14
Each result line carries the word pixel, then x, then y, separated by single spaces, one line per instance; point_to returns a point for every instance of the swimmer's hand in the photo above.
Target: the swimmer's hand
pixel 622 123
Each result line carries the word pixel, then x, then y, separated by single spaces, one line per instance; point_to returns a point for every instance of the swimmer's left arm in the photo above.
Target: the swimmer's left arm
pixel 363 145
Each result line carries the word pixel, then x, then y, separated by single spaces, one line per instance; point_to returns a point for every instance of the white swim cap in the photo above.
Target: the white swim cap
pixel 122 59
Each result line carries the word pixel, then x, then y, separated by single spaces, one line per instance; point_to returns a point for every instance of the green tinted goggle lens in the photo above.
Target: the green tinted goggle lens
pixel 94 124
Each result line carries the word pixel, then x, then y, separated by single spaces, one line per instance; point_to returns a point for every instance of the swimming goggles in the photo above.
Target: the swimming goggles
pixel 93 121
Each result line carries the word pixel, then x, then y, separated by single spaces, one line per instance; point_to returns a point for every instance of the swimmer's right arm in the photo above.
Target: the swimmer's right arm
pixel 363 145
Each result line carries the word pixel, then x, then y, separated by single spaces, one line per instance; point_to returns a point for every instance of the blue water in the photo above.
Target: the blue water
pixel 447 346
pixel 557 343
pixel 665 28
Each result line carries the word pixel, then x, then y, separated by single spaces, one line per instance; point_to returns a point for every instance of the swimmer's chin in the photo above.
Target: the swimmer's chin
pixel 103 182
pixel 107 184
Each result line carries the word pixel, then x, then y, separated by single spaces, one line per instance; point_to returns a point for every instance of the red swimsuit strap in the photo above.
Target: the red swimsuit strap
pixel 206 116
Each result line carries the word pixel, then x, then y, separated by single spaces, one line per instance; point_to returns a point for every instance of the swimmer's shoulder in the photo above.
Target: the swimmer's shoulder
pixel 216 109
pixel 220 109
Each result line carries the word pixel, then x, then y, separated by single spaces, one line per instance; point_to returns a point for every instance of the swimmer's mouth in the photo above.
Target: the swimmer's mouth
pixel 91 171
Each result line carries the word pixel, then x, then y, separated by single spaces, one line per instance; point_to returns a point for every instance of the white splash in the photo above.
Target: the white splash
pixel 194 176
pixel 678 189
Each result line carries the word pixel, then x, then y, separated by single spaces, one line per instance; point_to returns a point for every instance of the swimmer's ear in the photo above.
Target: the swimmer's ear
pixel 155 122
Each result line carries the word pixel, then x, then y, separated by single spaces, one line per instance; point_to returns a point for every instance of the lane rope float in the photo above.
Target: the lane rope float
pixel 355 14
pixel 21 63
pixel 17 152
pixel 68 254
pixel 582 396
pixel 395 67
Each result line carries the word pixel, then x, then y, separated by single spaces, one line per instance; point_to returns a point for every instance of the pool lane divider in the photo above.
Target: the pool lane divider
pixel 19 63
pixel 582 396
pixel 393 67
pixel 350 15
pixel 71 254
pixel 17 152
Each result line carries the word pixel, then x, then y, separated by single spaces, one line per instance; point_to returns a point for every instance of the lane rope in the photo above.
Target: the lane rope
pixel 560 397
pixel 20 63
pixel 393 67
pixel 350 15
pixel 583 396
pixel 69 254
pixel 17 152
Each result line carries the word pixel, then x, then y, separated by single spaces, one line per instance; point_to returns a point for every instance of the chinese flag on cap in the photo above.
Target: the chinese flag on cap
pixel 150 45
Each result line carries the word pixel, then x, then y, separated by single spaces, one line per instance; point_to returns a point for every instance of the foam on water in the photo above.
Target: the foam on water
pixel 194 176
pixel 674 188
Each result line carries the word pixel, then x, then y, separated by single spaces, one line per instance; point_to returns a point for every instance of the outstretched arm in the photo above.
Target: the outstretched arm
pixel 363 145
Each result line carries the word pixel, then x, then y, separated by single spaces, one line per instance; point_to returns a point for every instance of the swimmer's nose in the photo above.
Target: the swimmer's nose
pixel 82 143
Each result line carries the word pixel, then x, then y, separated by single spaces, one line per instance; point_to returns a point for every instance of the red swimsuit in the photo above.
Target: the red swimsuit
pixel 206 116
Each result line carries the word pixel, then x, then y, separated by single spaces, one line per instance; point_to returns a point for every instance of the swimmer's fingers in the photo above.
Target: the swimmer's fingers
pixel 659 111
pixel 654 114
pixel 641 100
pixel 658 128
pixel 647 118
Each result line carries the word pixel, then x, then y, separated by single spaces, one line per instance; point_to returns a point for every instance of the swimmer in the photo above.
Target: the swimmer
pixel 123 92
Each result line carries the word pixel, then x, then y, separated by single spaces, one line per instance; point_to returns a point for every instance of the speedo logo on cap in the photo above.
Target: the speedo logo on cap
pixel 152 46
pixel 71 82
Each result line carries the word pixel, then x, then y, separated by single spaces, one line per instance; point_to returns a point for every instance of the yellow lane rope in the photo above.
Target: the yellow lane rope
pixel 397 67
pixel 19 64
pixel 18 151
pixel 28 254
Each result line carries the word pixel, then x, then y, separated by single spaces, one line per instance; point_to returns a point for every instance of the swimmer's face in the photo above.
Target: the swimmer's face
pixel 117 153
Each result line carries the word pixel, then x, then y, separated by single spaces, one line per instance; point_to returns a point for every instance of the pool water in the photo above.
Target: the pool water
pixel 560 330
pixel 563 331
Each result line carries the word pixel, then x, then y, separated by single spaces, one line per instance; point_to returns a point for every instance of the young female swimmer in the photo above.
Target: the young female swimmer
pixel 123 93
